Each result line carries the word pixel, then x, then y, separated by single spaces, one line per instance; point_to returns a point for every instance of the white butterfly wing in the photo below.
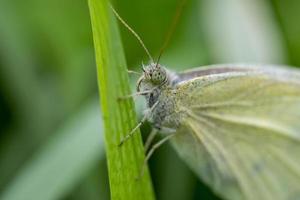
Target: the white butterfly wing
pixel 241 132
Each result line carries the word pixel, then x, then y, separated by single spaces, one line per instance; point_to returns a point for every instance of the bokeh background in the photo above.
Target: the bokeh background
pixel 51 144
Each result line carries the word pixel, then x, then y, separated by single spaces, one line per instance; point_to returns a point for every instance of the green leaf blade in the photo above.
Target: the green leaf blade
pixel 125 162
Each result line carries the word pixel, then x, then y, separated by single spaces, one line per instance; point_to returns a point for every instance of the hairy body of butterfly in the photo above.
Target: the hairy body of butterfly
pixel 238 127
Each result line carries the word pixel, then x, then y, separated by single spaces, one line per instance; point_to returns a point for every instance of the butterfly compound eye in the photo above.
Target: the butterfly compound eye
pixel 158 75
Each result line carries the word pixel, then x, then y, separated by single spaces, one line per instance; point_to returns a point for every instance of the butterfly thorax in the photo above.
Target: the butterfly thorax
pixel 157 86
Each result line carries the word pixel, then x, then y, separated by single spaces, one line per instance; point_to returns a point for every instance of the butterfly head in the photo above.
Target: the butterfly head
pixel 154 75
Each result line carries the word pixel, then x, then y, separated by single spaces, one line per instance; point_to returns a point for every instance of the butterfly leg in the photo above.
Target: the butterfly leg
pixel 137 94
pixel 138 125
pixel 133 95
pixel 133 131
pixel 151 151
pixel 150 139
pixel 134 72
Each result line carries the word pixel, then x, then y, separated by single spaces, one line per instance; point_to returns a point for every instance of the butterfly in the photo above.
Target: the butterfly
pixel 236 126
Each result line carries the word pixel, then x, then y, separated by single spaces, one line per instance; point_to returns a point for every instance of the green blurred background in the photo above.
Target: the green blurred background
pixel 50 125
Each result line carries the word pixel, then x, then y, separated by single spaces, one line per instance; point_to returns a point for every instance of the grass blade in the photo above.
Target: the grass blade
pixel 124 163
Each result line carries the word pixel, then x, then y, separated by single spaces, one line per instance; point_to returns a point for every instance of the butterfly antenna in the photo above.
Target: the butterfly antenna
pixel 132 31
pixel 171 29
